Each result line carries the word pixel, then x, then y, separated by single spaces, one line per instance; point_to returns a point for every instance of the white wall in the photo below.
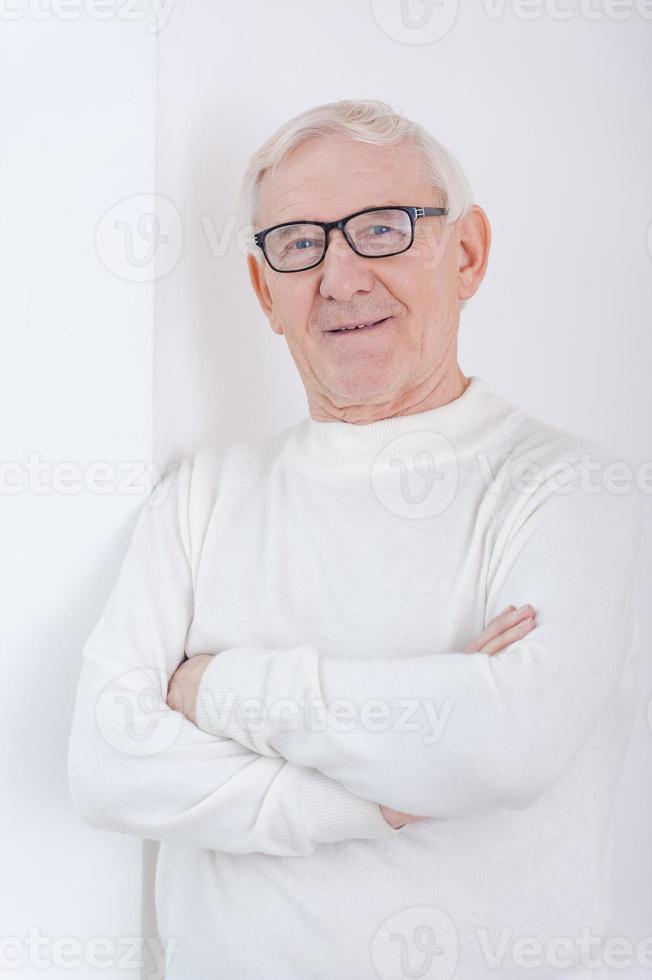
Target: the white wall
pixel 77 134
pixel 106 357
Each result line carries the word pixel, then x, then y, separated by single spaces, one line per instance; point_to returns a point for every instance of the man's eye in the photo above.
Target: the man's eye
pixel 298 245
pixel 380 228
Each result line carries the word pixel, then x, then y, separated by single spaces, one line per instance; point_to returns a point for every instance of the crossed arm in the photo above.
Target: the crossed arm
pixel 506 726
pixel 481 732
pixel 508 626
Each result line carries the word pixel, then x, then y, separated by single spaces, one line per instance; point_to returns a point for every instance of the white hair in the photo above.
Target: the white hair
pixel 367 121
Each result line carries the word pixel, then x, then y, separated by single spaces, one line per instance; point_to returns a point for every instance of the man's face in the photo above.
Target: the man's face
pixel 420 290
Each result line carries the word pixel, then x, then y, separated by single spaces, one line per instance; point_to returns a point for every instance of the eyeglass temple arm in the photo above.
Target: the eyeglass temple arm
pixel 426 212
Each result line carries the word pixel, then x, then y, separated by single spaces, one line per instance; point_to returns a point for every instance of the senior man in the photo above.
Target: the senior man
pixel 369 681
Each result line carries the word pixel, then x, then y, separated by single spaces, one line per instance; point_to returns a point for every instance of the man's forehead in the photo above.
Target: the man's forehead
pixel 321 180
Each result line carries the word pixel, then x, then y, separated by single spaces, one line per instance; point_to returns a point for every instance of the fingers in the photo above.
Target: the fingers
pixel 509 618
pixel 517 631
pixel 395 818
pixel 495 626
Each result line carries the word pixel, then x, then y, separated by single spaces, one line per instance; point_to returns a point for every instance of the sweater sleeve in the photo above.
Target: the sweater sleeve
pixel 447 734
pixel 138 767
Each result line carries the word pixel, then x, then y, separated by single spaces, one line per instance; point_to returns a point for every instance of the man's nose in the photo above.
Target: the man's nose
pixel 344 272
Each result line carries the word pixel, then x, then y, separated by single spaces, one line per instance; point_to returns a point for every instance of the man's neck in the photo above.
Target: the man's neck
pixel 428 395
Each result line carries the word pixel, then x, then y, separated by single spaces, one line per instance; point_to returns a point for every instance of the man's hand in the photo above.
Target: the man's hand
pixel 509 625
pixel 396 819
pixel 184 684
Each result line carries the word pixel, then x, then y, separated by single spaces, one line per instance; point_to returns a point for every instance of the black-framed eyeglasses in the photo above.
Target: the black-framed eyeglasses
pixel 295 246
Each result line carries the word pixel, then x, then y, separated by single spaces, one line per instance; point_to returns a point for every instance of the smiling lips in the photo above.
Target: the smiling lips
pixel 351 328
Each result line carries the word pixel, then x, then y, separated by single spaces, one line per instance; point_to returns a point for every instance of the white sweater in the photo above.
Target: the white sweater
pixel 339 570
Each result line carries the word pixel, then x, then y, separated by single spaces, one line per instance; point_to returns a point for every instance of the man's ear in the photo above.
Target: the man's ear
pixel 261 289
pixel 474 243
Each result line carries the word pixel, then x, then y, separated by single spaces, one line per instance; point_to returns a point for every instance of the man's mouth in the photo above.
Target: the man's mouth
pixel 358 327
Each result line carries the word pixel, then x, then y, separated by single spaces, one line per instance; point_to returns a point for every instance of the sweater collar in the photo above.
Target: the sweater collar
pixel 341 448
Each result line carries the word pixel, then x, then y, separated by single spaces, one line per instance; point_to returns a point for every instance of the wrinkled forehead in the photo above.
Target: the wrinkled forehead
pixel 326 177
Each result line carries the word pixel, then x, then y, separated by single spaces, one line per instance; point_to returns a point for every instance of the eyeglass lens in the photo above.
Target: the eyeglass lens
pixel 298 246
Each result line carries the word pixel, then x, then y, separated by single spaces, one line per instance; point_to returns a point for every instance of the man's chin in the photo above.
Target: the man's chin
pixel 360 392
